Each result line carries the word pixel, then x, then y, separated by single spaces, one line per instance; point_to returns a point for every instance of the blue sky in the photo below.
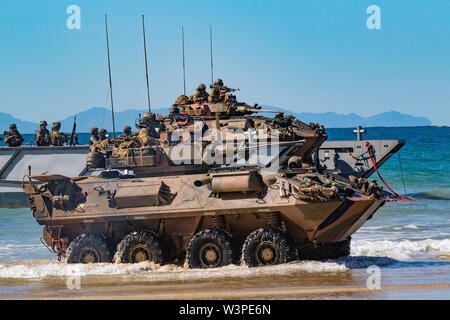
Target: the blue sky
pixel 314 56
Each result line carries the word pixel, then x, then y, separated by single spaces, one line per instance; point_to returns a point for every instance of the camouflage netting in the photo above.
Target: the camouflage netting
pixel 316 188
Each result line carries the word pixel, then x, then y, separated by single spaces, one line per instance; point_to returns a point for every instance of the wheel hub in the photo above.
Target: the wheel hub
pixel 267 253
pixel 139 253
pixel 89 255
pixel 210 255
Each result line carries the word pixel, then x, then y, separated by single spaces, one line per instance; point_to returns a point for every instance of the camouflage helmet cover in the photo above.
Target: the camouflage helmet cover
pixel 218 82
pixel 102 131
pixel 12 126
pixel 127 129
pixel 57 124
pixel 43 122
pixel 149 115
pixel 201 87
pixel 94 130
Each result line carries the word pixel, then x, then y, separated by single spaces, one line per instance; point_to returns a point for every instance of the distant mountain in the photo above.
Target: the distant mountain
pixel 101 118
pixel 334 120
pixel 24 126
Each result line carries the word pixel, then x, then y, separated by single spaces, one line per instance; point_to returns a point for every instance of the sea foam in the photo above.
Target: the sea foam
pixel 399 250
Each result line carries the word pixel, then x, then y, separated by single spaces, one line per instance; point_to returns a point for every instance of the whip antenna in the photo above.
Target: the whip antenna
pixel 184 67
pixel 146 66
pixel 110 82
pixel 211 47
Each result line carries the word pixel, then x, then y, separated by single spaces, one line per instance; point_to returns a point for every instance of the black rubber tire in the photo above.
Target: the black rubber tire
pixel 274 239
pixel 145 244
pixel 89 248
pixel 326 250
pixel 210 240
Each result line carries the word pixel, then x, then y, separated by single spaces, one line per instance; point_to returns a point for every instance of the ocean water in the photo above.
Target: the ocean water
pixel 409 241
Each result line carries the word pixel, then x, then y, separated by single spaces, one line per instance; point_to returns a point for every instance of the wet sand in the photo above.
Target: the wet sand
pixel 298 280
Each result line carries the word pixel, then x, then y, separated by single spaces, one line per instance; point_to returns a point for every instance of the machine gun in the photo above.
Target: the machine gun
pixel 223 88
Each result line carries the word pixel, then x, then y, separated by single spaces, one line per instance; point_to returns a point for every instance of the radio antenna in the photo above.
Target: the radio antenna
pixel 146 66
pixel 184 67
pixel 110 82
pixel 211 47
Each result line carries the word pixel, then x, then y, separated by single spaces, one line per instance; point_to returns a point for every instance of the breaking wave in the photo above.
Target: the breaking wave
pixel 399 250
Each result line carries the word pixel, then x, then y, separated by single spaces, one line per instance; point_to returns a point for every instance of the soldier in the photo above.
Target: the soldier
pixel 57 138
pixel 215 91
pixel 12 137
pixel 149 122
pixel 200 94
pixel 102 135
pixel 127 132
pixel 43 135
pixel 94 136
pixel 218 91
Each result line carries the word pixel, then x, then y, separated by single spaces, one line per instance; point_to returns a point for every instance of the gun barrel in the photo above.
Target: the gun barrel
pixel 266 111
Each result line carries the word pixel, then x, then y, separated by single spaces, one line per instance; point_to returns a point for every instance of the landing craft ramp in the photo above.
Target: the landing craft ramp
pixel 345 158
pixel 16 162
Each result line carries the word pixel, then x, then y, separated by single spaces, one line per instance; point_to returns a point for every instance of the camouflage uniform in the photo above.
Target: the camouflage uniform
pixel 121 150
pixel 57 138
pixel 94 136
pixel 148 121
pixel 101 145
pixel 43 135
pixel 144 137
pixel 215 91
pixel 13 138
pixel 201 94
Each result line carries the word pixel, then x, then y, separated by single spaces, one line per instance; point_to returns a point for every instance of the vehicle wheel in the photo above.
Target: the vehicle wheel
pixel 267 246
pixel 140 246
pixel 210 248
pixel 326 250
pixel 89 248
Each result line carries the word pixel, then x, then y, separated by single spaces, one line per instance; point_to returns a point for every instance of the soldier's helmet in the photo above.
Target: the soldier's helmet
pixel 201 87
pixel 102 131
pixel 57 124
pixel 149 116
pixel 127 129
pixel 218 82
pixel 43 123
pixel 12 126
pixel 94 130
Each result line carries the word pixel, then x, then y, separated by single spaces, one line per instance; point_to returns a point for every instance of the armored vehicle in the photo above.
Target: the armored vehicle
pixel 165 202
